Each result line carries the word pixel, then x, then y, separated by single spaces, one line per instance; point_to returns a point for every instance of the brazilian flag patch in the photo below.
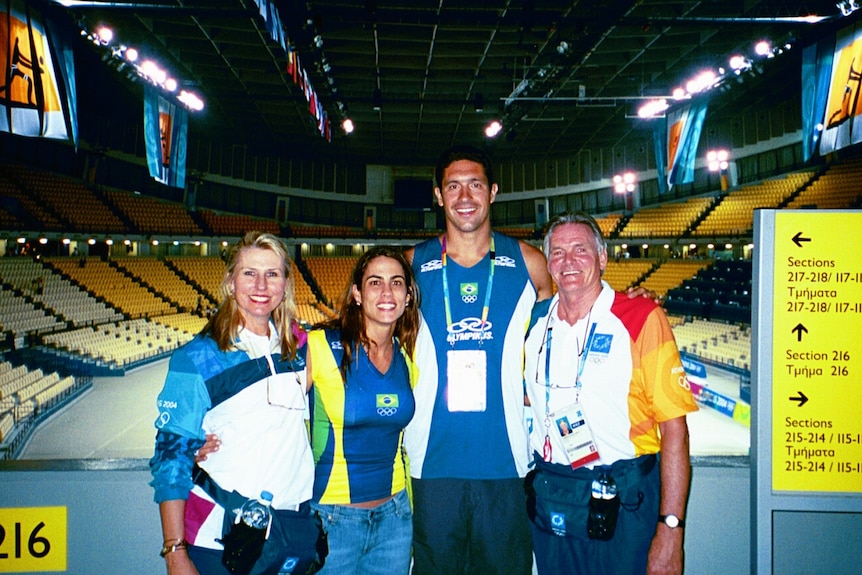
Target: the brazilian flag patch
pixel 387 400
pixel 469 292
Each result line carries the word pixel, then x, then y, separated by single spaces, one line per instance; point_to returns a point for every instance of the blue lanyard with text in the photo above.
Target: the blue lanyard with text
pixel 487 306
pixel 582 361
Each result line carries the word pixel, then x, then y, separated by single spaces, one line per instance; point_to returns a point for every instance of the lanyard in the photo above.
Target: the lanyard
pixel 486 307
pixel 582 361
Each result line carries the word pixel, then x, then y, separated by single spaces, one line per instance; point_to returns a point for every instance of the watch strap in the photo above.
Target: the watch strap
pixel 680 523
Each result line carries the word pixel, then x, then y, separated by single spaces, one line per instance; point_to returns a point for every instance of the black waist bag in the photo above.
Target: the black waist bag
pixel 243 545
pixel 296 542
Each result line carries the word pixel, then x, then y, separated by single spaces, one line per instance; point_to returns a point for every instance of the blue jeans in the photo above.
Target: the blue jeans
pixel 368 541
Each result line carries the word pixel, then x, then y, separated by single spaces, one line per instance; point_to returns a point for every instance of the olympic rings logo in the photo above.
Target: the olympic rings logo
pixel 469 298
pixel 387 411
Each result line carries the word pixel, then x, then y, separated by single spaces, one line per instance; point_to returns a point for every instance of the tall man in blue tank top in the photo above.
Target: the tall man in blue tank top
pixel 468 441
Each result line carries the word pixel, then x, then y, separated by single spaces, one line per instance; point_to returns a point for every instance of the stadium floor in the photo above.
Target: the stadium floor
pixel 114 420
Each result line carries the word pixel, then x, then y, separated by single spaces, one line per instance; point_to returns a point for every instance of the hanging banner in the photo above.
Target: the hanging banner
pixel 299 76
pixel 816 73
pixel 165 136
pixel 684 125
pixel 37 98
pixel 841 126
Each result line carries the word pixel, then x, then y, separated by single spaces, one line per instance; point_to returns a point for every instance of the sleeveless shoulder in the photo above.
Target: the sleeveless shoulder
pixel 540 310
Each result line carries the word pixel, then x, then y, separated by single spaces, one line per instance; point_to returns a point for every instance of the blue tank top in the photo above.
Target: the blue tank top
pixel 489 444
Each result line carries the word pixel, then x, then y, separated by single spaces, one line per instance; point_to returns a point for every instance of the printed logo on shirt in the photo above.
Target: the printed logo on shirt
pixel 431 266
pixel 505 262
pixel 387 404
pixel 470 329
pixel 469 292
pixel 600 348
pixel 336 345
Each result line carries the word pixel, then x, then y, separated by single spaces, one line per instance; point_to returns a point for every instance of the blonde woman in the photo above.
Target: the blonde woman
pixel 243 379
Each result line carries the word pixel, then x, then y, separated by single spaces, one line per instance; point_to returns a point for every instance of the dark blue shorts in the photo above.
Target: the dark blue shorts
pixel 463 526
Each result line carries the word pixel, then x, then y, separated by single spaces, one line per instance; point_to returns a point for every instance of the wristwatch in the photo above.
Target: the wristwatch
pixel 671 521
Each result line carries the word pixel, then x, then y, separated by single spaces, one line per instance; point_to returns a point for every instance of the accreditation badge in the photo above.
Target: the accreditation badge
pixel 577 439
pixel 466 380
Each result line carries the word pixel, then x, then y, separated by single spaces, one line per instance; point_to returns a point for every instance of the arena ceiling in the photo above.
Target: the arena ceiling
pixel 564 75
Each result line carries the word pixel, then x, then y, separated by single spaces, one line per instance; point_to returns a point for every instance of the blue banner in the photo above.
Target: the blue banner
pixel 659 140
pixel 684 126
pixel 166 138
pixel 816 73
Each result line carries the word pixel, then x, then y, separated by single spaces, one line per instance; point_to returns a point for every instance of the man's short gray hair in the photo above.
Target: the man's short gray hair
pixel 574 218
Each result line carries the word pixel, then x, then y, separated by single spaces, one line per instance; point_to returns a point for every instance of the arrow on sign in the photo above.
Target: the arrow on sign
pixel 798 330
pixel 801 399
pixel 798 239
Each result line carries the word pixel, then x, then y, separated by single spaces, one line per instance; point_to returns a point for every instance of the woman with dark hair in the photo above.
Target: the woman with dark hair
pixel 360 369
pixel 243 379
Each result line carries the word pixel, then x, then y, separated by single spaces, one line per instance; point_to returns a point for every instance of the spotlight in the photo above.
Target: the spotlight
pixel 492 130
pixel 105 35
pixel 717 160
pixel 762 48
pixel 624 183
pixel 347 126
pixel 653 108
pixel 739 63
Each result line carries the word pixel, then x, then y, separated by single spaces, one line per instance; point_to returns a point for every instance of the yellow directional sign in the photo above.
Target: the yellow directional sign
pixel 33 539
pixel 817 352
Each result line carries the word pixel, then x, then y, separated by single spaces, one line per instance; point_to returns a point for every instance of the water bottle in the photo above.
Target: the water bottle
pixel 256 513
pixel 604 508
pixel 244 543
pixel 604 487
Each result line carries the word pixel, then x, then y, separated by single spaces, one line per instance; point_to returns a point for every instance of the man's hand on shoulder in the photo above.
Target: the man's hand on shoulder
pixel 640 291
